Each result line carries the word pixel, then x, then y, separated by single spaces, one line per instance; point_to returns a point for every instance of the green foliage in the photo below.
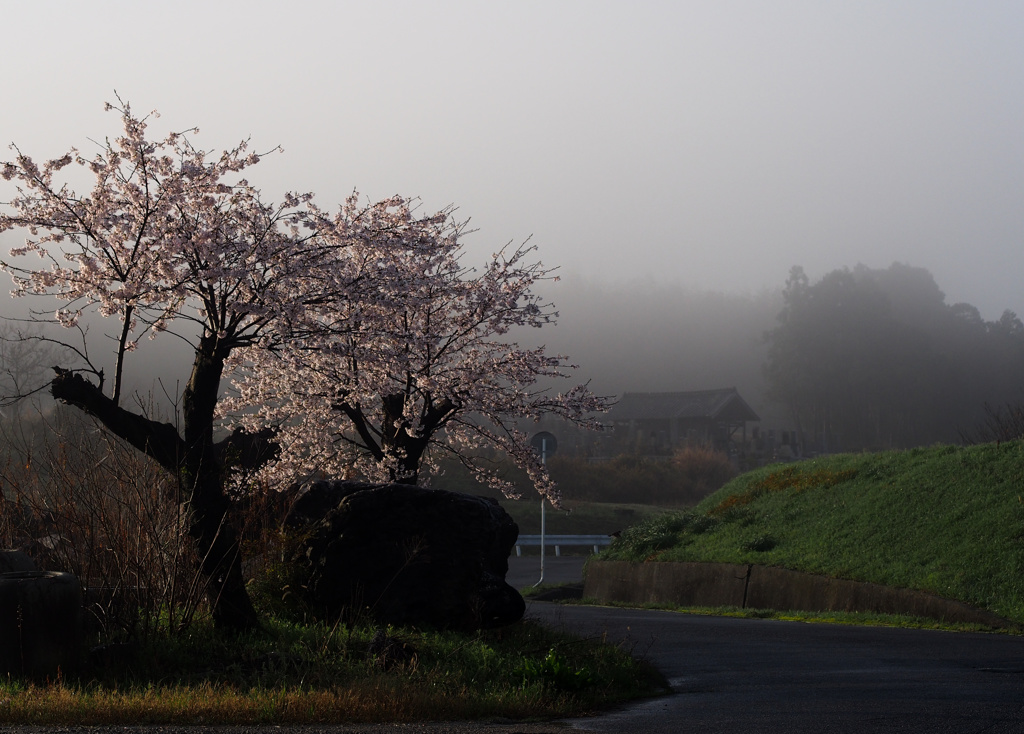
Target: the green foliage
pixel 792 478
pixel 760 544
pixel 273 592
pixel 646 540
pixel 945 520
pixel 556 671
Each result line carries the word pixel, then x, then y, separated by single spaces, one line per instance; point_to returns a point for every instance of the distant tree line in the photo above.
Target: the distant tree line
pixel 874 359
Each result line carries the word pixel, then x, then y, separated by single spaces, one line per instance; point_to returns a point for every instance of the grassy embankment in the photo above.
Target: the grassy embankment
pixel 945 520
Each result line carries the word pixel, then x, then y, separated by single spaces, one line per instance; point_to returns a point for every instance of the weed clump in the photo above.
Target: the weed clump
pixel 673 529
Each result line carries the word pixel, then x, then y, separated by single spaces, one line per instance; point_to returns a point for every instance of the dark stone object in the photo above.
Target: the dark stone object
pixel 402 554
pixel 40 615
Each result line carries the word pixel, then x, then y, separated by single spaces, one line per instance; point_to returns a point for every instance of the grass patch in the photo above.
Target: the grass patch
pixel 945 520
pixel 855 619
pixel 296 674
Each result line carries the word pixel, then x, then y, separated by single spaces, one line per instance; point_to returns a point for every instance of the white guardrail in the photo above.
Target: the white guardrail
pixel 559 540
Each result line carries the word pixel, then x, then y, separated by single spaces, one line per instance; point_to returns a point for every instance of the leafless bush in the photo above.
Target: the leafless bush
pixel 79 500
pixel 703 469
pixel 1004 423
pixel 682 481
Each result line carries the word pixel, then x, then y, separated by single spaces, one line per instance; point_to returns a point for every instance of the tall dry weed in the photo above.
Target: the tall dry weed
pixel 702 468
pixel 683 480
pixel 77 499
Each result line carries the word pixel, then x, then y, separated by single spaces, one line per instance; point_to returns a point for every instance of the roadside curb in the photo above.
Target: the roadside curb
pixel 764 587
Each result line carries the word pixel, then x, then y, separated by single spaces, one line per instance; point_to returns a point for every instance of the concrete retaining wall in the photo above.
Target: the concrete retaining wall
pixel 763 587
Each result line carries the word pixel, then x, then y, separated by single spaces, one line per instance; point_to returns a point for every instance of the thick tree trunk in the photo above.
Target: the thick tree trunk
pixel 197 462
pixel 221 562
pixel 409 447
pixel 203 478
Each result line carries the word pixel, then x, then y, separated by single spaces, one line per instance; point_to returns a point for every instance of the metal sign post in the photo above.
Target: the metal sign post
pixel 545 444
pixel 541 579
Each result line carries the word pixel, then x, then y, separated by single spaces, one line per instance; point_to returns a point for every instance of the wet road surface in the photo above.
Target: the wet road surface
pixel 767 676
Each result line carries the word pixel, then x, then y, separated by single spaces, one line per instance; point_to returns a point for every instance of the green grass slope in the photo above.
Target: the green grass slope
pixel 947 520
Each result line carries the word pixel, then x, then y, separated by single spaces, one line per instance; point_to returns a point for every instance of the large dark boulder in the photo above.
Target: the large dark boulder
pixel 401 554
pixel 40 630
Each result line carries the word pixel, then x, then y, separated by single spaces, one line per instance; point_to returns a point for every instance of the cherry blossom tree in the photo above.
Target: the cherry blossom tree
pixel 169 240
pixel 359 339
pixel 418 363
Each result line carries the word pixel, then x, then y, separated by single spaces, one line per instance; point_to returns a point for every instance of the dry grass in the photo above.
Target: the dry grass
pixel 78 500
pixel 372 700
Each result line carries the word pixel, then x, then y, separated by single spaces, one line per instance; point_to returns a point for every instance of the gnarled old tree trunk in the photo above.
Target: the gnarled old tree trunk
pixel 196 461
pixel 203 485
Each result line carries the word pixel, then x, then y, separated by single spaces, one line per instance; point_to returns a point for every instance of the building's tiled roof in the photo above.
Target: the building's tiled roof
pixel 725 404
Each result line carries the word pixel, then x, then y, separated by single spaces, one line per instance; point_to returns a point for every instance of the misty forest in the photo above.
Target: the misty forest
pixel 861 359
pixel 875 359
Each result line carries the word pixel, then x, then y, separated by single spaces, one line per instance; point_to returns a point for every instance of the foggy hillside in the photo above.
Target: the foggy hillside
pixel 858 359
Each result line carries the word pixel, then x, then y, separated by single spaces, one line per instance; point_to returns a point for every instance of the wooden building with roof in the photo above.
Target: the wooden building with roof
pixel 658 422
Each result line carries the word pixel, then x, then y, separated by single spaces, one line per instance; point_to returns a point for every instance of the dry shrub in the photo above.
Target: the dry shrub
pixel 258 516
pixel 702 468
pixel 79 500
pixel 682 481
pixel 1005 423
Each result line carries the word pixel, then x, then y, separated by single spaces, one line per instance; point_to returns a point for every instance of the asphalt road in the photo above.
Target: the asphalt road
pixel 524 571
pixel 765 676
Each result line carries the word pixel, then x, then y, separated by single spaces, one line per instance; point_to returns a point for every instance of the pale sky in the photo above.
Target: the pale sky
pixel 710 143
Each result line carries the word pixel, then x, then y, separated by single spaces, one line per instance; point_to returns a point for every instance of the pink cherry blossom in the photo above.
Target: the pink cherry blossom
pixel 360 335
